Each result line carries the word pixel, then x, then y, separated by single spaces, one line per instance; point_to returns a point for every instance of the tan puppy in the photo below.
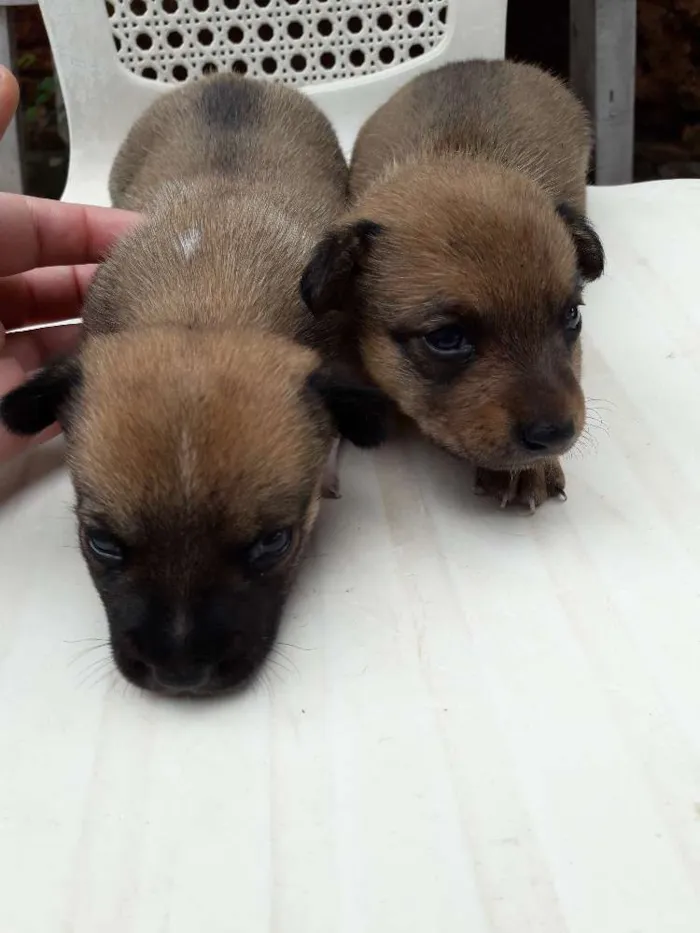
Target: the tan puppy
pixel 197 421
pixel 462 263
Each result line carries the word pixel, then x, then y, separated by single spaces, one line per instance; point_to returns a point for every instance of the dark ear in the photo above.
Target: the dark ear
pixel 327 282
pixel 591 256
pixel 41 400
pixel 360 413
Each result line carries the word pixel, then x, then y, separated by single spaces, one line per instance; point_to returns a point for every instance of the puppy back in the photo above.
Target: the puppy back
pixel 507 112
pixel 238 179
pixel 235 128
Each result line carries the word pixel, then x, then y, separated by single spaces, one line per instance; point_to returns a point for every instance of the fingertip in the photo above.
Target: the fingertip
pixel 105 226
pixel 116 222
pixel 6 75
pixel 9 96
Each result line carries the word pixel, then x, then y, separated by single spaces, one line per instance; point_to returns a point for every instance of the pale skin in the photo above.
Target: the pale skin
pixel 48 253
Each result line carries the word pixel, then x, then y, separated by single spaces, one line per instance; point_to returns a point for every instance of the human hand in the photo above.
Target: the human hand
pixel 48 252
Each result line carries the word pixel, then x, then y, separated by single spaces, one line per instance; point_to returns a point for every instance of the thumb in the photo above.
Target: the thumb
pixel 9 98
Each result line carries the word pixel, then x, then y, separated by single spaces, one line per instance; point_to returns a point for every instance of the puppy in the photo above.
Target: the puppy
pixel 198 416
pixel 458 274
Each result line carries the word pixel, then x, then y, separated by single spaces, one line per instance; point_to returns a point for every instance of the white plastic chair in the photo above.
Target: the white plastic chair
pixel 478 721
pixel 335 49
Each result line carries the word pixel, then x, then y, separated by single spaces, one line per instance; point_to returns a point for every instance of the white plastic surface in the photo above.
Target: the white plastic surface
pixel 477 721
pixel 103 97
pixel 294 41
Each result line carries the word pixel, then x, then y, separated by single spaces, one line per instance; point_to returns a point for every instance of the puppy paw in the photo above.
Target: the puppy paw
pixel 530 487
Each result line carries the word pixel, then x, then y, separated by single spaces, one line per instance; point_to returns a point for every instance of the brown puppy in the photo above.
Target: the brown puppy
pixel 197 421
pixel 462 263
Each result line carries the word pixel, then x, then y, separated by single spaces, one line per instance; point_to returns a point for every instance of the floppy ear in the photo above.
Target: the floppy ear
pixel 591 256
pixel 42 399
pixel 360 413
pixel 327 282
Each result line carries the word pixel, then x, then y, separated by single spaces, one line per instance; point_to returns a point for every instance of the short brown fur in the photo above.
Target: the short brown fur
pixel 460 176
pixel 198 414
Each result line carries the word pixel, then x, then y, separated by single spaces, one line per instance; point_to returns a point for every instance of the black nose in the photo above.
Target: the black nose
pixel 182 679
pixel 539 436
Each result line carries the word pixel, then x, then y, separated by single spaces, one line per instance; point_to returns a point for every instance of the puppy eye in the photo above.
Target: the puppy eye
pixel 269 549
pixel 572 318
pixel 449 342
pixel 104 546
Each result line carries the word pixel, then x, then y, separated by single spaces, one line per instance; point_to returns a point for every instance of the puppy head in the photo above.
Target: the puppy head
pixel 463 287
pixel 197 462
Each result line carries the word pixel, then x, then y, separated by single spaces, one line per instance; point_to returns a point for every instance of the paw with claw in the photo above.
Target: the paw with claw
pixel 529 487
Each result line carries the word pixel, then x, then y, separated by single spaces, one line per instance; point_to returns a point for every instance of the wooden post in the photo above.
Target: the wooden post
pixel 10 161
pixel 602 59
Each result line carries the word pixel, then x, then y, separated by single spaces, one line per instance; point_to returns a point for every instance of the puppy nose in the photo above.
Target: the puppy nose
pixel 189 679
pixel 539 436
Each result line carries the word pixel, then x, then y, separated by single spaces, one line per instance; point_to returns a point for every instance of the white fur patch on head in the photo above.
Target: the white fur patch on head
pixel 189 241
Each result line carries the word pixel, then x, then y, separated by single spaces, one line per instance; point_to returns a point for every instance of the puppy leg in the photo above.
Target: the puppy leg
pixel 330 486
pixel 530 487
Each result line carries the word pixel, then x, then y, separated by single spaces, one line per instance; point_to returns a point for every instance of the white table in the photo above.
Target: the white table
pixel 489 723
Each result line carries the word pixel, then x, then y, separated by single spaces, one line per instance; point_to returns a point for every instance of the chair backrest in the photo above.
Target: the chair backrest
pixel 113 58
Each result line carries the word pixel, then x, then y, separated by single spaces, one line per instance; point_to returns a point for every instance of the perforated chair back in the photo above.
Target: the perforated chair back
pixel 114 58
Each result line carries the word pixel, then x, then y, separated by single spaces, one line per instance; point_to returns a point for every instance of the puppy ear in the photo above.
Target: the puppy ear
pixel 360 413
pixel 591 256
pixel 327 282
pixel 42 399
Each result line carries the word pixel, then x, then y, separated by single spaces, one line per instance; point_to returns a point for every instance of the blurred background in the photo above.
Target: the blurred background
pixel 667 137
